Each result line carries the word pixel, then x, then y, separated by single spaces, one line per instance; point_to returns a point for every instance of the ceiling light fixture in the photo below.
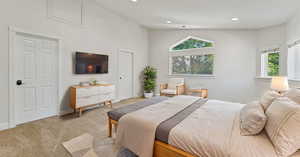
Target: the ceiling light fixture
pixel 134 1
pixel 168 22
pixel 234 19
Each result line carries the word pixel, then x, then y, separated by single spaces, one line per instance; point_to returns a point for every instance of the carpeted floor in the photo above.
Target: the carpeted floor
pixel 43 138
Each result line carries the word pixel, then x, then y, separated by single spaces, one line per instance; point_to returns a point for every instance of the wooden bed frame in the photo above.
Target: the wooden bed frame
pixel 160 149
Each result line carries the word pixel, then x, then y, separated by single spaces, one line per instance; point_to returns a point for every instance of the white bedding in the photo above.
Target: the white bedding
pixel 214 131
pixel 136 130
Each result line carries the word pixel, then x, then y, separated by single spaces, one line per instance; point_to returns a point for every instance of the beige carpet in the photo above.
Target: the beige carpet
pixel 44 138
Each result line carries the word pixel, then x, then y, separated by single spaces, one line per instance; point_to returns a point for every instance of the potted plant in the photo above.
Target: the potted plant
pixel 149 81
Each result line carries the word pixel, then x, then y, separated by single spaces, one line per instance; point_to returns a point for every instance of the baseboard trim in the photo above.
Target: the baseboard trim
pixel 65 112
pixel 4 126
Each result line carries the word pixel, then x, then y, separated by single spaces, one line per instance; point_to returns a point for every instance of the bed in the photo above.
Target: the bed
pixel 199 127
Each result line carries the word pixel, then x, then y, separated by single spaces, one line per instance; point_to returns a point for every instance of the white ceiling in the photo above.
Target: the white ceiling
pixel 205 13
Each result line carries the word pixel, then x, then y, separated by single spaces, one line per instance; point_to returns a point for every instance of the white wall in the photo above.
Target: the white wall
pixel 278 35
pixel 237 60
pixel 234 62
pixel 293 28
pixel 270 37
pixel 103 32
pixel 292 35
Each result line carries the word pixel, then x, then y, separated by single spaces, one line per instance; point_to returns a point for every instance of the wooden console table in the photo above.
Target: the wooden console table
pixel 84 97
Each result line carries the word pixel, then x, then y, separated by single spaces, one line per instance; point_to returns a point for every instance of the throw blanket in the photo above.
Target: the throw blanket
pixel 141 125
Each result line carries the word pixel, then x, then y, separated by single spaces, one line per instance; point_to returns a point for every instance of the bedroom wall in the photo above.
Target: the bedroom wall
pixel 292 35
pixel 293 28
pixel 278 35
pixel 102 32
pixel 270 37
pixel 234 62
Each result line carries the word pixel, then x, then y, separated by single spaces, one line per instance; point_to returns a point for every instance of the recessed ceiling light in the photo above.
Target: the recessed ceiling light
pixel 235 19
pixel 168 22
pixel 134 0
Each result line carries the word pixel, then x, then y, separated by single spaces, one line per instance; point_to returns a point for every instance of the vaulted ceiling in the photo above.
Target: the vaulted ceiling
pixel 252 14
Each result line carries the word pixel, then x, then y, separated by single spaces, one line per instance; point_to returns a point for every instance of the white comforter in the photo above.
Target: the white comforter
pixel 136 130
pixel 210 131
pixel 214 131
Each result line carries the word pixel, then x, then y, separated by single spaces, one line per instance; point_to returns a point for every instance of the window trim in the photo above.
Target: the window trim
pixel 292 45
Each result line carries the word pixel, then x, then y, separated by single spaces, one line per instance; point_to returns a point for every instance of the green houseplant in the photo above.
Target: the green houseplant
pixel 149 81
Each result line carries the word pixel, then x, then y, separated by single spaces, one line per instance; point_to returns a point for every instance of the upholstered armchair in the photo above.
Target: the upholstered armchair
pixel 175 86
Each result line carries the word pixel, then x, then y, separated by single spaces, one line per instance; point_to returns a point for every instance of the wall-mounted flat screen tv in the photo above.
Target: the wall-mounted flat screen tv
pixel 88 63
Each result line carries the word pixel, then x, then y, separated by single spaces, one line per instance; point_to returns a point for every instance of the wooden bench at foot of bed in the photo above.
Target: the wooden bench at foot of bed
pixel 160 149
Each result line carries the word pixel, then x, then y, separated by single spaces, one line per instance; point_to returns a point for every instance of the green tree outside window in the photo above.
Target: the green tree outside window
pixel 273 64
pixel 191 44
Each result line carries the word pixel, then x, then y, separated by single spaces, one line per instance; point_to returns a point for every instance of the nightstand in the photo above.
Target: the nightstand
pixel 201 92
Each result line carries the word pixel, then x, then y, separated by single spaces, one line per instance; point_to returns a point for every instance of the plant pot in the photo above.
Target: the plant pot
pixel 148 95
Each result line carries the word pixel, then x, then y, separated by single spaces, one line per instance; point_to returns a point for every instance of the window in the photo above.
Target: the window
pixel 192 43
pixel 194 64
pixel 294 61
pixel 270 62
pixel 192 56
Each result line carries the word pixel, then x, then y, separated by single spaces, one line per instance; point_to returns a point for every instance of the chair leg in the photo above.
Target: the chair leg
pixel 109 128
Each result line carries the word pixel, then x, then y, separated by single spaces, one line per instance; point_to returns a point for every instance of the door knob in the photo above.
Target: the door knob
pixel 19 82
pixel 121 77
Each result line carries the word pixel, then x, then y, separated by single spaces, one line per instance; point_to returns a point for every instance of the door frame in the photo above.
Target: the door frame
pixel 118 76
pixel 13 31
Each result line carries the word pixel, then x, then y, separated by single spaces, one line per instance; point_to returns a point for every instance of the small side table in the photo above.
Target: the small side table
pixel 198 92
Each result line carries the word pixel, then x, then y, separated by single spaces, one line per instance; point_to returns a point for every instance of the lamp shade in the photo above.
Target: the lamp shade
pixel 280 83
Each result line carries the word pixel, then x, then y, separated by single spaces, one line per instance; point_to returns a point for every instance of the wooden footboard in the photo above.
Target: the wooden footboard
pixel 160 149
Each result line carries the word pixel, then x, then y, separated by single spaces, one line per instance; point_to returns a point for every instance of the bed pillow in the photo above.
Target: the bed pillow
pixel 283 126
pixel 252 119
pixel 267 99
pixel 293 94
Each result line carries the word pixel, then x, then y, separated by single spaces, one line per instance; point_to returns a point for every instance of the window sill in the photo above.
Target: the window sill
pixel 263 77
pixel 270 78
pixel 192 75
pixel 295 80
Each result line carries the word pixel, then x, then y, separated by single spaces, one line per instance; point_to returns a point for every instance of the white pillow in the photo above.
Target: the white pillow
pixel 293 94
pixel 267 99
pixel 283 126
pixel 252 119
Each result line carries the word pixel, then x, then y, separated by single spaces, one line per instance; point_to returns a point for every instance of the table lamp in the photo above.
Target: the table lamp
pixel 280 84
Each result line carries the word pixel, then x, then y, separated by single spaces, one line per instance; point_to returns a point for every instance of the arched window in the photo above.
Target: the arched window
pixel 191 43
pixel 192 56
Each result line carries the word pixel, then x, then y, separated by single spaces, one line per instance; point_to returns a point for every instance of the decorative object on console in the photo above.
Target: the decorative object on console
pixel 84 97
pixel 174 87
pixel 84 84
pixel 93 82
pixel 149 81
pixel 280 84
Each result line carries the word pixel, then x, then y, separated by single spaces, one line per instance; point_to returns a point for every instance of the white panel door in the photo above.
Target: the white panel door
pixel 125 89
pixel 35 73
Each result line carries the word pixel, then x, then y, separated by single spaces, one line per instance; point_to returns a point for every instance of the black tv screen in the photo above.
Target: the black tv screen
pixel 87 63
